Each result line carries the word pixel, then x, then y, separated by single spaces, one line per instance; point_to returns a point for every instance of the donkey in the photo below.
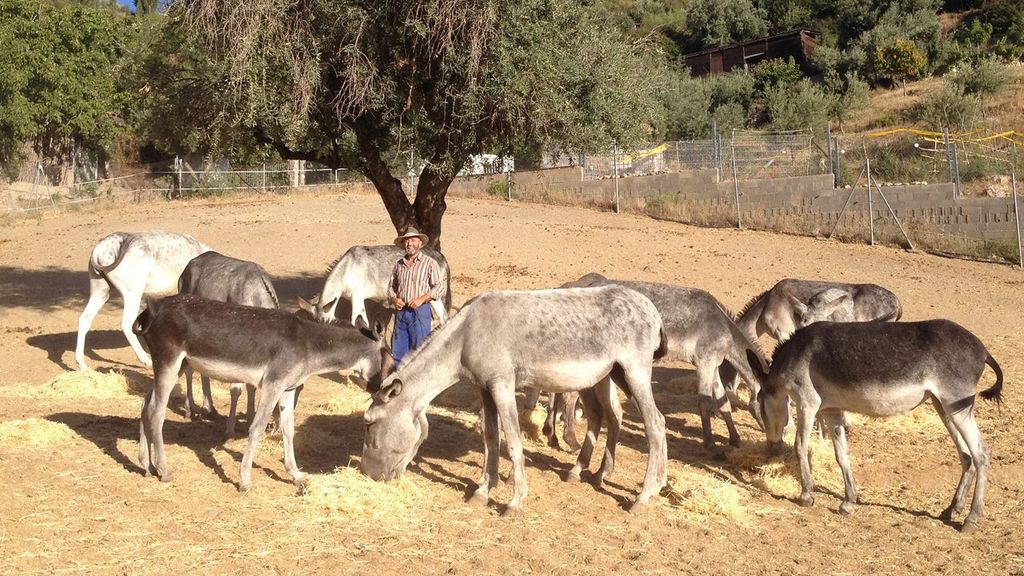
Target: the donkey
pixel 214 276
pixel 363 273
pixel 268 348
pixel 882 369
pixel 701 332
pixel 135 264
pixel 553 340
pixel 792 304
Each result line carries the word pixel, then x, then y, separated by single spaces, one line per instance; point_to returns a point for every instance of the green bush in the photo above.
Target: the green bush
pixel 978 167
pixel 986 77
pixel 950 108
pixel 775 72
pixel 803 105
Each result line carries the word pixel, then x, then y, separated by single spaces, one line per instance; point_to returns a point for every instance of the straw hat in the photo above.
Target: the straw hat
pixel 411 232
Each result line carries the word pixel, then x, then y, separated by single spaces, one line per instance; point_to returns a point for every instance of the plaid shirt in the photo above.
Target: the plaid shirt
pixel 410 281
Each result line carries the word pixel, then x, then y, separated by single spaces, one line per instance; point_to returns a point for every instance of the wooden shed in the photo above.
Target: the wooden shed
pixel 798 44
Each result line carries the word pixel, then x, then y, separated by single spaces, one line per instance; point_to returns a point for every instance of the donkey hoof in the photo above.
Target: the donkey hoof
pixel 166 477
pixel 846 508
pixel 638 508
pixel 805 500
pixel 477 499
pixel 302 483
pixel 572 477
pixel 244 487
pixel 735 442
pixel 969 525
pixel 512 512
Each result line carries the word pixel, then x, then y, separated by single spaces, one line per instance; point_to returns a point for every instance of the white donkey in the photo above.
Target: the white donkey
pixel 136 264
pixel 553 340
pixel 881 369
pixel 363 273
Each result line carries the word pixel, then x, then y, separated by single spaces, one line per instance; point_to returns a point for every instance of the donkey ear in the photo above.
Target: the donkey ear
pixel 391 391
pixel 757 366
pixel 797 304
pixel 303 304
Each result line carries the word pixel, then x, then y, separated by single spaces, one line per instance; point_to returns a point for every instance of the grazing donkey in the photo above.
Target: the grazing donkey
pixel 792 304
pixel 882 369
pixel 135 264
pixel 553 340
pixel 268 348
pixel 214 276
pixel 363 273
pixel 701 332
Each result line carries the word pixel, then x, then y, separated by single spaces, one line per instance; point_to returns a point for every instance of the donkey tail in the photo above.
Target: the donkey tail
pixel 662 345
pixel 996 391
pixel 109 252
pixel 142 322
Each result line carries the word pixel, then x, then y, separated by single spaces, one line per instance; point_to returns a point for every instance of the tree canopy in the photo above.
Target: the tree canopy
pixel 357 83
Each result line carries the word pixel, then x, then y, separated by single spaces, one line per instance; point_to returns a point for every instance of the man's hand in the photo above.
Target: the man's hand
pixel 400 304
pixel 417 302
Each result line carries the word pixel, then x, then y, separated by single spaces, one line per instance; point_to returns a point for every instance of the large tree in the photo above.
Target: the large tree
pixel 361 83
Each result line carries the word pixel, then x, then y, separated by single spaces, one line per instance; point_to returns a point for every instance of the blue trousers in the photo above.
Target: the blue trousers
pixel 411 328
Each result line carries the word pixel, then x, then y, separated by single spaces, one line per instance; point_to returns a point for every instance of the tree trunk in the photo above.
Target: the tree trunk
pixel 430 206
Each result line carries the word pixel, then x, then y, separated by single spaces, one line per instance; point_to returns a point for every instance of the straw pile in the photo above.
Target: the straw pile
pixel 34 432
pixel 697 496
pixel 531 423
pixel 781 475
pixel 922 417
pixel 348 493
pixel 86 384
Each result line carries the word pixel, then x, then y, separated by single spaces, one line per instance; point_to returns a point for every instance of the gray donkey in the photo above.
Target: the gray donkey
pixel 554 340
pixel 137 265
pixel 792 304
pixel 701 332
pixel 363 273
pixel 269 348
pixel 214 276
pixel 881 369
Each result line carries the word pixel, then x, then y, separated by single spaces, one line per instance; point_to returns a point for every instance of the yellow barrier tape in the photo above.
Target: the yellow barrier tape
pixel 644 153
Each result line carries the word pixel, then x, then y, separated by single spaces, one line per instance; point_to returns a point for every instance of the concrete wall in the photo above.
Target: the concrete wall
pixel 806 200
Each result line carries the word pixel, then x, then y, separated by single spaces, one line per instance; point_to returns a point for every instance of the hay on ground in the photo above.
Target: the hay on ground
pixel 698 496
pixel 348 492
pixel 780 475
pixel 87 384
pixel 531 423
pixel 34 432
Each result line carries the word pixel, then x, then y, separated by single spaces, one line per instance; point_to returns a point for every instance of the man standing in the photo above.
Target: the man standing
pixel 415 281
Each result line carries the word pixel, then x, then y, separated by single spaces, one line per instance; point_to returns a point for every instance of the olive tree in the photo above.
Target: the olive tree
pixel 358 83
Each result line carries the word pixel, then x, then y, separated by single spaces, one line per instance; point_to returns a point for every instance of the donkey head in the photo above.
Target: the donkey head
pixel 773 406
pixel 824 305
pixel 393 432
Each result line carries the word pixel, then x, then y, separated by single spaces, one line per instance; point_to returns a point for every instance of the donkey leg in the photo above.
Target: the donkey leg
pixel 968 428
pixel 551 420
pixel 132 303
pixel 166 379
pixel 725 409
pixel 492 446
pixel 190 404
pixel 706 404
pixel 503 393
pixel 257 429
pixel 236 392
pixel 146 434
pixel 638 379
pixel 286 405
pixel 805 413
pixel 99 293
pixel 208 408
pixel 967 469
pixel 569 400
pixel 594 414
pixel 608 396
pixel 833 422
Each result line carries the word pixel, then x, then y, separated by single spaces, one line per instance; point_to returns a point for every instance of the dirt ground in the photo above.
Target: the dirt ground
pixel 75 499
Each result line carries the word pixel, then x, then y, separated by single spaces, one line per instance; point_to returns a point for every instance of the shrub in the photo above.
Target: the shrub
pixel 775 72
pixel 950 108
pixel 803 105
pixel 986 77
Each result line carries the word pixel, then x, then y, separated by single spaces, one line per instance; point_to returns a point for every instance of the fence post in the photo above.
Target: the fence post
pixel 871 210
pixel 1016 214
pixel 177 175
pixel 956 172
pixel 949 160
pixel 615 173
pixel 828 140
pixel 508 170
pixel 735 182
pixel 716 150
pixel 263 186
